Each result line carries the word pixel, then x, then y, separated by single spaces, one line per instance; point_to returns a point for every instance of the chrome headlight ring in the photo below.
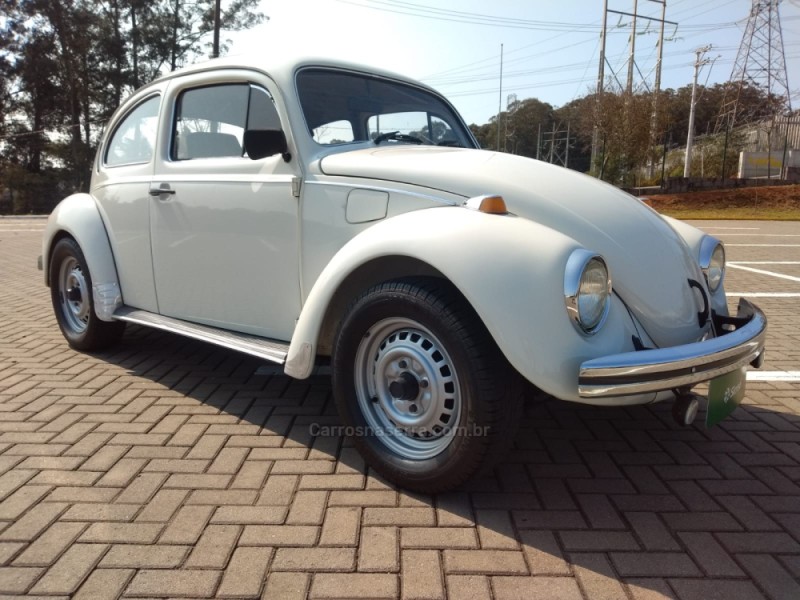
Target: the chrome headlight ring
pixel 712 262
pixel 587 290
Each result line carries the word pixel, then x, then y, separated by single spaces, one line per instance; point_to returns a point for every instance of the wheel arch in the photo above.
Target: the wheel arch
pixel 78 217
pixel 375 271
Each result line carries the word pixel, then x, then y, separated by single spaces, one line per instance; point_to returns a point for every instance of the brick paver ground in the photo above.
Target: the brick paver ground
pixel 169 468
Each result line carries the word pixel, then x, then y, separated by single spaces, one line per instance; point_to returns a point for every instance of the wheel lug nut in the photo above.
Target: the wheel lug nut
pixel 402 364
pixel 413 409
pixel 423 383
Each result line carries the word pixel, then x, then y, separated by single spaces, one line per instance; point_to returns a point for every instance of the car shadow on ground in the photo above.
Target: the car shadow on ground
pixel 612 496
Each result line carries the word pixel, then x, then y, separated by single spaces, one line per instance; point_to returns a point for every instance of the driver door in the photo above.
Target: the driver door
pixel 223 226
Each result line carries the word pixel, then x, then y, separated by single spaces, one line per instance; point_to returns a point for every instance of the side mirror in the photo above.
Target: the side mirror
pixel 260 143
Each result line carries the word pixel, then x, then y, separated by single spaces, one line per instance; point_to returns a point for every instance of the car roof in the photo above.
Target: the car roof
pixel 283 70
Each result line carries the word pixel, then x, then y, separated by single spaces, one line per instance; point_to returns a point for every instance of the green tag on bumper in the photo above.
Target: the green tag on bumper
pixel 725 393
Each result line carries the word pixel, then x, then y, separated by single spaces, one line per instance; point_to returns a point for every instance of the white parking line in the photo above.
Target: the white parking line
pixel 763 294
pixel 789 376
pixel 763 272
pixel 766 262
pixel 749 228
pixel 762 234
pixel 763 245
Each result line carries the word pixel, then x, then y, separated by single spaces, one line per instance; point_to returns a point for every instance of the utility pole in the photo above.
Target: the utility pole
pixel 539 141
pixel 699 62
pixel 500 98
pixel 657 85
pixel 660 58
pixel 600 79
pixel 631 59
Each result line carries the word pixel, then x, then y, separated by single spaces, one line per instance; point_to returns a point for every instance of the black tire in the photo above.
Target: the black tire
pixel 73 301
pixel 422 347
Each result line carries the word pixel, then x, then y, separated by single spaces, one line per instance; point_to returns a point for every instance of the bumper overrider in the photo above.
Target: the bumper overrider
pixel 740 342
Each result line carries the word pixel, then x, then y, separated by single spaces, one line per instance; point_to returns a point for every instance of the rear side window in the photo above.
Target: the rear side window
pixel 134 138
pixel 210 121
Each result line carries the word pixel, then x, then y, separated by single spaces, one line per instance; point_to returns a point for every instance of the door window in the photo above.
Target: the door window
pixel 210 122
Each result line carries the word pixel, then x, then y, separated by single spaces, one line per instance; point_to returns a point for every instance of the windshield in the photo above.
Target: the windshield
pixel 342 107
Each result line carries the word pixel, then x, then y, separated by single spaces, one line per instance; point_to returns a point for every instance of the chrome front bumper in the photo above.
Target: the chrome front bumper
pixel 680 366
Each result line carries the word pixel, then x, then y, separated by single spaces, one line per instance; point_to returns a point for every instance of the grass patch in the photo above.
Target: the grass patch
pixel 768 203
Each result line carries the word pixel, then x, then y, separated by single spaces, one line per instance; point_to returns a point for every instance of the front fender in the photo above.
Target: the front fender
pixel 694 238
pixel 511 271
pixel 78 216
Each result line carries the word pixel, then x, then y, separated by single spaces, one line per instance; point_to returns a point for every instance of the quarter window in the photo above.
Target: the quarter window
pixel 134 139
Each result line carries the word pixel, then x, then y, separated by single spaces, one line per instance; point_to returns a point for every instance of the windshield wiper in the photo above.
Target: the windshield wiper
pixel 396 135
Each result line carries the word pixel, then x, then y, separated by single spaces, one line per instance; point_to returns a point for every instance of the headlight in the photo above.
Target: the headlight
pixel 712 261
pixel 587 288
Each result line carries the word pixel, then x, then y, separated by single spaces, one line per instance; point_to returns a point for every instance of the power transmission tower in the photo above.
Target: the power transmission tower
pixel 553 146
pixel 631 63
pixel 512 104
pixel 761 63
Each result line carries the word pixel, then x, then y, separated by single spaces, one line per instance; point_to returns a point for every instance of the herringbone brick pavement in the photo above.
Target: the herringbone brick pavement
pixel 168 468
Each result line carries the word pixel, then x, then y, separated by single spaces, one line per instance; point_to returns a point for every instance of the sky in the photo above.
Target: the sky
pixel 550 49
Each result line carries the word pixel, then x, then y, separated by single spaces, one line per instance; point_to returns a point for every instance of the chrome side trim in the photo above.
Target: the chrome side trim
pixel 107 299
pixel 271 350
pixel 679 366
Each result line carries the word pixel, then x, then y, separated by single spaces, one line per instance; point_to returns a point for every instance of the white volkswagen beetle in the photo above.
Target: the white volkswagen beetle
pixel 315 209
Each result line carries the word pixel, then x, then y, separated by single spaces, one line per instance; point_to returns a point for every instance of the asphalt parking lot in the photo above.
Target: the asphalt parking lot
pixel 169 468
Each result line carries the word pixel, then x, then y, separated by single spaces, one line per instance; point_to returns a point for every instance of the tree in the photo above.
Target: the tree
pixel 519 127
pixel 66 65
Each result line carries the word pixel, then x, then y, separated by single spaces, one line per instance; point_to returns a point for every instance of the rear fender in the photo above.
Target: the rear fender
pixel 77 216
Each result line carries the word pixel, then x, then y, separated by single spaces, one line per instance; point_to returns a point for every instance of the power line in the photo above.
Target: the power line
pixel 416 10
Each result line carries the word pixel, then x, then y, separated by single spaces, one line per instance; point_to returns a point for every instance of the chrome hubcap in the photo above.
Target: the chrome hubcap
pixel 74 295
pixel 407 388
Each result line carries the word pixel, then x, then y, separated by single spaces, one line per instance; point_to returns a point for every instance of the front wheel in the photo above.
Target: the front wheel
pixel 73 304
pixel 421 385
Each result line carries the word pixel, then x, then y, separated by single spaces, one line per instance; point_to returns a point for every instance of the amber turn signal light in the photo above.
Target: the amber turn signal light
pixel 491 205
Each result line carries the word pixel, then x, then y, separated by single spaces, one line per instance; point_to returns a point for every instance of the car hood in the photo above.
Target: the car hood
pixel 650 263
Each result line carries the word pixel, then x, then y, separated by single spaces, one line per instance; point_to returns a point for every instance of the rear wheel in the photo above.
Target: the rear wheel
pixel 426 393
pixel 71 294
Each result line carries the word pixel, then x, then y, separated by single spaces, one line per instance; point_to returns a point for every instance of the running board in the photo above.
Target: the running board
pixel 264 348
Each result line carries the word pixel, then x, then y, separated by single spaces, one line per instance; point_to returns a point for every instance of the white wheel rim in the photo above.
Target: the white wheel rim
pixel 407 388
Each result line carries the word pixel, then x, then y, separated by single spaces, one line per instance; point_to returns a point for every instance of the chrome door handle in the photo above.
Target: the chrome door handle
pixel 161 189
